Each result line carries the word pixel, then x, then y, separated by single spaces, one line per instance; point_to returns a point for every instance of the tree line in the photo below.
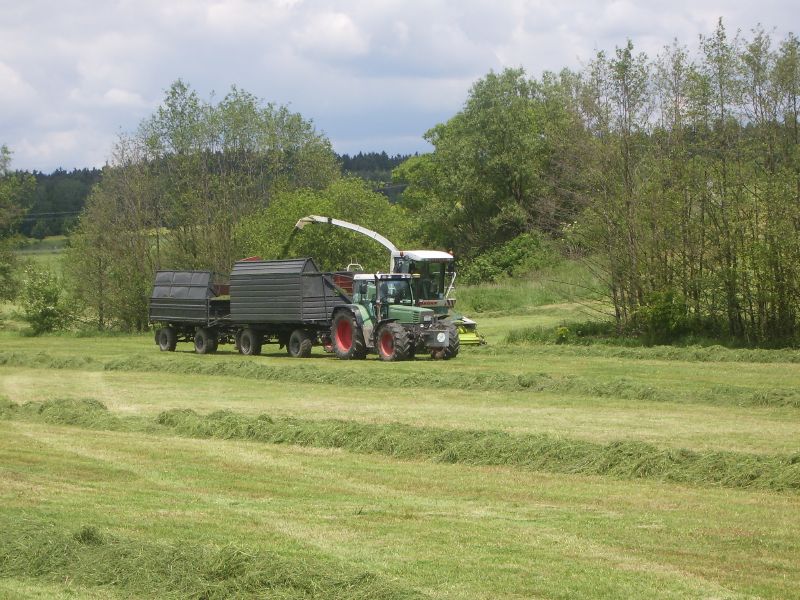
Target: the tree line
pixel 678 177
pixel 675 177
pixel 52 206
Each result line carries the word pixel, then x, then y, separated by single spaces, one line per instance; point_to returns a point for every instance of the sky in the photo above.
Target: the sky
pixel 372 75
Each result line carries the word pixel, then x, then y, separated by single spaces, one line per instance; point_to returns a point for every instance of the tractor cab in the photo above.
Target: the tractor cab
pixel 389 296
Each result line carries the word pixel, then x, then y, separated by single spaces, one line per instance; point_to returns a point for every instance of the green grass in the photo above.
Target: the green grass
pixel 517 470
pixel 52 244
pixel 565 283
pixel 87 556
pixel 47 253
pixel 437 530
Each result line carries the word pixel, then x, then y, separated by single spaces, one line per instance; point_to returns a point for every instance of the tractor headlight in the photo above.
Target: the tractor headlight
pixel 441 337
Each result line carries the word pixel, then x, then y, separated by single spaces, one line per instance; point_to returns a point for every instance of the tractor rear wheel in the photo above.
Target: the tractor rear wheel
pixel 300 344
pixel 249 342
pixel 393 342
pixel 348 341
pixel 205 341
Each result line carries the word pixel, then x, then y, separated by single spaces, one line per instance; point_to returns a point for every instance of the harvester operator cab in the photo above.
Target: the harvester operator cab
pixel 433 271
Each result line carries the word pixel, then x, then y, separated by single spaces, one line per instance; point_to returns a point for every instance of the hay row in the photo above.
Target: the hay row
pixel 539 452
pixel 260 369
pixel 87 556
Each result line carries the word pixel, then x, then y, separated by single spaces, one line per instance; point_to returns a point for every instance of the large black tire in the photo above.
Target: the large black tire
pixel 347 337
pixel 453 345
pixel 205 341
pixel 393 342
pixel 167 339
pixel 300 344
pixel 249 342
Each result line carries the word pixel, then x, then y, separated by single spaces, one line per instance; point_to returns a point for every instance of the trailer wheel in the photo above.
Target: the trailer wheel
pixel 348 341
pixel 167 339
pixel 453 345
pixel 300 344
pixel 249 342
pixel 205 341
pixel 393 342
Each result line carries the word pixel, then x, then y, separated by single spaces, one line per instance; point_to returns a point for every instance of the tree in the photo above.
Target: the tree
pixel 696 215
pixel 44 305
pixel 489 176
pixel 14 187
pixel 177 189
pixel 270 234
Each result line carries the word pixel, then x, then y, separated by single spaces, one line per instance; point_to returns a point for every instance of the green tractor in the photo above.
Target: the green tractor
pixel 384 319
pixel 434 279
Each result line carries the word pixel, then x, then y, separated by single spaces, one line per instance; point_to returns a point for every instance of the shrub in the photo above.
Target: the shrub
pixel 45 308
pixel 525 253
pixel 8 282
pixel 663 317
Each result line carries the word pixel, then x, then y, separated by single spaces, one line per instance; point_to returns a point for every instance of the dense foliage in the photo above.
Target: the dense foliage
pixel 56 201
pixel 695 169
pixel 499 167
pixel 680 176
pixel 372 166
pixel 52 206
pixel 271 234
pixel 45 306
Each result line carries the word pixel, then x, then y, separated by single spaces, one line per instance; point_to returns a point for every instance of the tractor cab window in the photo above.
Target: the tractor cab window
pixel 364 292
pixel 396 291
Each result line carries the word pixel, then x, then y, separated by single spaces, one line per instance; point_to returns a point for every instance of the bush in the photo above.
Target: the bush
pixel 525 253
pixel 8 267
pixel 45 308
pixel 573 332
pixel 663 317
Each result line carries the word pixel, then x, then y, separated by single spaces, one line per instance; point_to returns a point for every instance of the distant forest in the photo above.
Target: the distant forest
pixel 372 166
pixel 55 203
pixel 376 168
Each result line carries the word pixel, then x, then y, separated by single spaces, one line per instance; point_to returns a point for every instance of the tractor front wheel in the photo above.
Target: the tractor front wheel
pixel 453 345
pixel 348 341
pixel 393 342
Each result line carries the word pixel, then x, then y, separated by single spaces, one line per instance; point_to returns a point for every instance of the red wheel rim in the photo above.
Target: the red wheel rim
pixel 387 343
pixel 344 335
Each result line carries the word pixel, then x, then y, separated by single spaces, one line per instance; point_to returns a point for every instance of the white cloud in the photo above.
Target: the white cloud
pixel 53 146
pixel 330 36
pixel 73 73
pixel 118 97
pixel 15 92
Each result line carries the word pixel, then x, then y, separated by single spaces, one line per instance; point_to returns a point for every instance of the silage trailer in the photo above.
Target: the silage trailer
pixel 293 304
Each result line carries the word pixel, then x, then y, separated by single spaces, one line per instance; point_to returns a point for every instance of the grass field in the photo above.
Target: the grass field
pixel 46 253
pixel 514 471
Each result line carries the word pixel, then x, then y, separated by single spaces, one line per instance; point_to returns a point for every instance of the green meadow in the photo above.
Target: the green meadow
pixel 518 470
